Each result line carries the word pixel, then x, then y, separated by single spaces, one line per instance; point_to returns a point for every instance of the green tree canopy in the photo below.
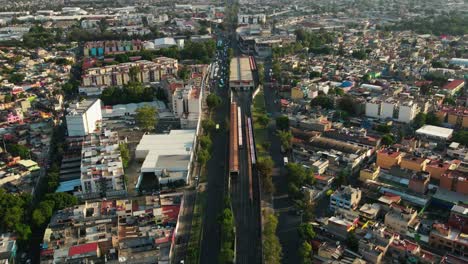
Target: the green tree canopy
pixel 322 101
pixel 146 117
pixel 272 250
pixel 213 101
pixel 306 231
pixel 282 123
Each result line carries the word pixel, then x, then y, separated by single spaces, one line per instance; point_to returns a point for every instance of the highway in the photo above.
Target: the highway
pixel 217 171
pixel 246 212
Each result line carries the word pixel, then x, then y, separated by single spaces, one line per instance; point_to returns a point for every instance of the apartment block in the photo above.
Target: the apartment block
pixel 449 239
pixel 387 158
pixel 375 244
pixel 437 168
pixel 142 71
pixel 456 181
pixel 137 230
pixel 243 19
pixel 399 109
pixel 369 173
pixel 413 163
pixel 186 105
pixel 102 172
pixel 102 48
pixel 459 218
pixel 346 197
pixel 82 117
pixel 400 219
pixel 419 182
pixel 455 116
pixel 454 86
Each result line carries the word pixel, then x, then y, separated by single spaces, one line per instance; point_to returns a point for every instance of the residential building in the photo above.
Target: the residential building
pixel 400 109
pixel 346 197
pixel 455 116
pixel 8 248
pixel 413 163
pixel 243 19
pixel 419 182
pixel 340 226
pixel 102 172
pixel 400 219
pixel 312 122
pixel 454 86
pixel 137 230
pixel 403 249
pixel 387 158
pixel 437 168
pixel 456 181
pixel 449 239
pixel 320 166
pixel 186 105
pixel 369 211
pixel 458 151
pixel 167 157
pixel 375 244
pixel 110 47
pixel 121 74
pixel 83 117
pixel 459 218
pixel 369 173
pixel 241 77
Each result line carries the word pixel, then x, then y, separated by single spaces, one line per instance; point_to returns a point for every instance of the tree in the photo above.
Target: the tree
pixel 184 73
pixel 208 125
pixel 124 154
pixel 272 251
pixel 315 74
pixel 282 123
pixel 305 252
pixel 461 137
pixel 419 120
pixel 103 25
pixel 205 142
pixel 263 120
pixel 285 139
pixel 297 174
pixel 133 73
pixel 19 150
pixel 359 54
pixel 306 231
pixel 449 101
pixel 16 78
pixel 432 119
pixel 346 103
pixel 322 101
pixel 265 170
pixel 213 101
pixel 261 73
pixel 383 128
pixel 61 200
pixel 203 156
pixel 388 140
pixel 146 117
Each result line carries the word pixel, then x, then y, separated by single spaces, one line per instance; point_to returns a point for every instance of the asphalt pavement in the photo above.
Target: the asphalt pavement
pixel 216 182
pixel 288 221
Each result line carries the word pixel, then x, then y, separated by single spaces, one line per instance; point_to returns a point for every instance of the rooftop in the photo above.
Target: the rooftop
pixel 435 131
pixel 241 69
pixel 83 106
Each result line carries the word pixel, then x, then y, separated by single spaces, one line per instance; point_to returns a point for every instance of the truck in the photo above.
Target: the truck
pixel 285 160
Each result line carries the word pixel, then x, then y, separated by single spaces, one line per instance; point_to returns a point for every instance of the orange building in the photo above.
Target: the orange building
pixel 455 181
pixel 387 158
pixel 414 163
pixel 437 168
pixel 456 116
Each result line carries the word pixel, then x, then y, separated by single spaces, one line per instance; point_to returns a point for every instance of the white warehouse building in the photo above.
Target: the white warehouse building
pixel 82 117
pixel 167 156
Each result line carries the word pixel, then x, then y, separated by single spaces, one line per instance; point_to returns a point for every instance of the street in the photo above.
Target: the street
pixel 288 221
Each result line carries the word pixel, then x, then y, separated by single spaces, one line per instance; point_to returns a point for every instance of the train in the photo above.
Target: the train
pixel 239 126
pixel 233 142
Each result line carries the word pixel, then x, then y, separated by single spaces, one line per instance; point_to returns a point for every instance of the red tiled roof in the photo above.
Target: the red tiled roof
pixel 82 249
pixel 453 84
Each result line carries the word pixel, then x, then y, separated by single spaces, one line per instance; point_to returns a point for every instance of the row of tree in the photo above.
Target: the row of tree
pixel 227 225
pixel 132 92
